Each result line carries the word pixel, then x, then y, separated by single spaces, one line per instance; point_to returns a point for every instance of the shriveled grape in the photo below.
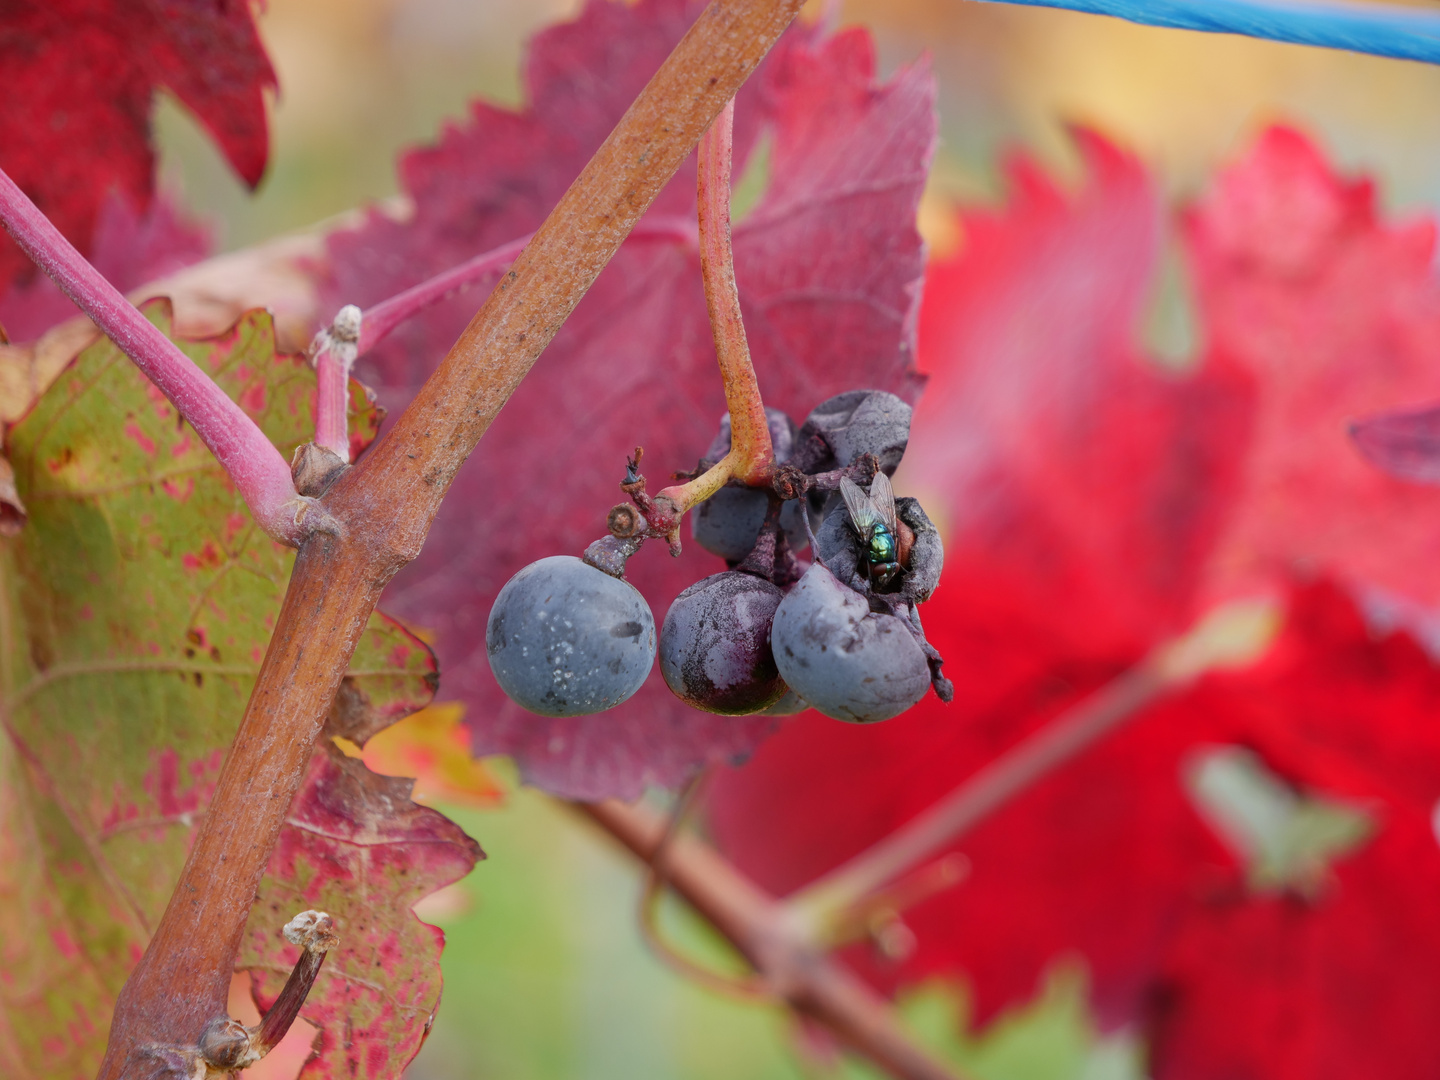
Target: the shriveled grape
pixel 843 659
pixel 566 639
pixel 841 551
pixel 715 645
pixel 842 428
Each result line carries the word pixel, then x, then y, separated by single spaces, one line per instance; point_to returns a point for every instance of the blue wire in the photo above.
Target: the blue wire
pixel 1404 33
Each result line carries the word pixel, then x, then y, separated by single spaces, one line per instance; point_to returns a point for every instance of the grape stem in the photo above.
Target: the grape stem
pixel 1230 636
pixel 751 459
pixel 385 505
pixel 260 474
pixel 227 1045
pixel 760 927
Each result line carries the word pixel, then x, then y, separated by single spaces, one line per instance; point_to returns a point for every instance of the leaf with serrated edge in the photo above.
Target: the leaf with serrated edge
pixel 828 264
pixel 136 609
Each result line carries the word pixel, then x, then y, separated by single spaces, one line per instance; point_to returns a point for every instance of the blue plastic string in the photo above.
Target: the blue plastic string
pixel 1404 33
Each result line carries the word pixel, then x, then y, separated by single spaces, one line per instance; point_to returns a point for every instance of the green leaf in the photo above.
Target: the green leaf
pixel 135 609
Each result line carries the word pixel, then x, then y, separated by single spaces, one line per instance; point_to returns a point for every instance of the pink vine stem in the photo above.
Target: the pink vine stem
pixel 260 474
pixel 351 336
pixel 1232 635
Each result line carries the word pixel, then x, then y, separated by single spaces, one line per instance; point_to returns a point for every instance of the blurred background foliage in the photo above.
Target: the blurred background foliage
pixel 545 973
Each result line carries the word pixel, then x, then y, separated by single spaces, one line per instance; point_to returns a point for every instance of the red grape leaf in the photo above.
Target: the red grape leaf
pixel 129 248
pixel 1297 985
pixel 1058 459
pixel 1109 859
pixel 1061 464
pixel 355 843
pixel 1366 730
pixel 80 78
pixel 1056 577
pixel 829 268
pixel 1286 987
pixel 1337 315
pixel 1405 443
pixel 137 604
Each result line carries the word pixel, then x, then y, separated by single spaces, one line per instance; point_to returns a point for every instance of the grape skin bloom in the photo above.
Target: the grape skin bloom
pixel 715 645
pixel 566 639
pixel 843 659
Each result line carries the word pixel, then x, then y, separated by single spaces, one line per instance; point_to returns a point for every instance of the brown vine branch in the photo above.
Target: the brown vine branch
pixel 746 987
pixel 383 509
pixel 1230 636
pixel 760 928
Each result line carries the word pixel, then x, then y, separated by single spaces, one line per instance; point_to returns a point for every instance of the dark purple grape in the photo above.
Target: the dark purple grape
pixel 839 430
pixel 715 645
pixel 843 659
pixel 566 639
pixel 727 523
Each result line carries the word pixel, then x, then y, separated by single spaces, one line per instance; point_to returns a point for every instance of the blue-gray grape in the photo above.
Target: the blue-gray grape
pixel 727 523
pixel 715 645
pixel 566 639
pixel 843 659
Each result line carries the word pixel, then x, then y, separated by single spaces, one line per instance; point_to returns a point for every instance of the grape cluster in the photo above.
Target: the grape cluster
pixel 772 634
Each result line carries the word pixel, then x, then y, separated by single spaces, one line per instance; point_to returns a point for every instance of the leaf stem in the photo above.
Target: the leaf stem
pixel 1232 635
pixel 226 1045
pixel 752 457
pixel 379 321
pixel 352 333
pixel 334 350
pixel 385 506
pixel 385 316
pixel 260 474
pixel 760 928
pixel 314 932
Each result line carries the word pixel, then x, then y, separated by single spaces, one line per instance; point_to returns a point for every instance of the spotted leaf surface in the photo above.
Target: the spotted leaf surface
pixel 137 605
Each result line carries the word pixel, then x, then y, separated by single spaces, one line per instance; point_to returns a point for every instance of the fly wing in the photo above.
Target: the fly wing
pixel 882 498
pixel 862 511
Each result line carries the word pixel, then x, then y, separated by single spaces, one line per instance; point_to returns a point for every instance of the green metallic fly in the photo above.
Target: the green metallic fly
pixel 873 518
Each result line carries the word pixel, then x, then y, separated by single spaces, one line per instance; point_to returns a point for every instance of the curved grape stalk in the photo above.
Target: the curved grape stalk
pixel 353 333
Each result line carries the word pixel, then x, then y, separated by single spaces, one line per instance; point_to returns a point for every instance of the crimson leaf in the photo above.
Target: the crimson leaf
pixel 828 263
pixel 80 78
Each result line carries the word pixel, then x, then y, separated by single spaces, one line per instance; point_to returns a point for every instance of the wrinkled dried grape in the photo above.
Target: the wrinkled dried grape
pixel 839 430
